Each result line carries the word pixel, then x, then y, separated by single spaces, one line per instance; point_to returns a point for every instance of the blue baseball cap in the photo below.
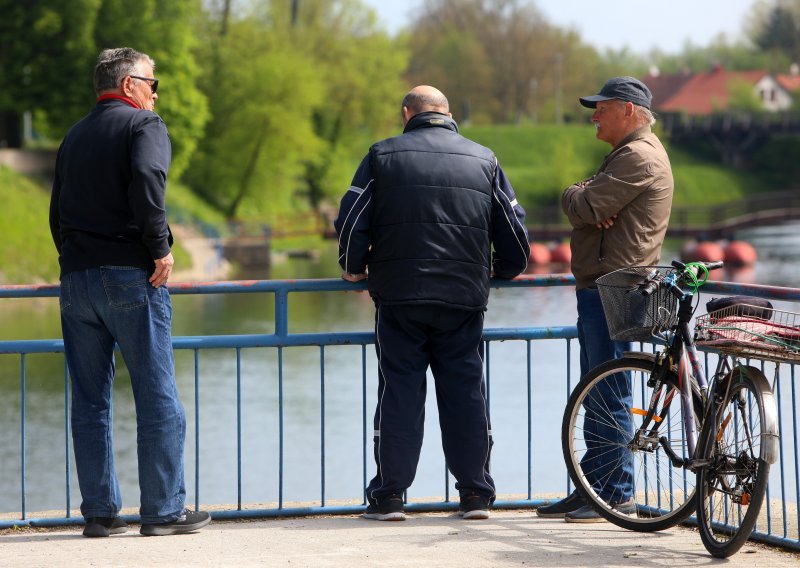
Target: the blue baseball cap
pixel 625 89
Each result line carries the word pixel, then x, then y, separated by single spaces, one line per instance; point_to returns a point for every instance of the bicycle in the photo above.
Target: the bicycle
pixel 635 429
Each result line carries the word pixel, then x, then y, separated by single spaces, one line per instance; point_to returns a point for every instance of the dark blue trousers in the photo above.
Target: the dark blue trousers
pixel 608 417
pixel 409 339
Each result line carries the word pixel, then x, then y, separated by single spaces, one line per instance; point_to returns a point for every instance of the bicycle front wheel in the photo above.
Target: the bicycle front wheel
pixel 620 425
pixel 732 485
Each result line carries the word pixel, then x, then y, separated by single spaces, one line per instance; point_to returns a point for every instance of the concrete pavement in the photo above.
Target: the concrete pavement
pixel 441 540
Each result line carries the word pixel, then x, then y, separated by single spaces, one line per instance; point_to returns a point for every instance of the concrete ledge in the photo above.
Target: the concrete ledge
pixel 29 162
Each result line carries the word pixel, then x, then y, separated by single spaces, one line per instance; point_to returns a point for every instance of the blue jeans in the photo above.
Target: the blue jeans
pixel 101 307
pixel 611 472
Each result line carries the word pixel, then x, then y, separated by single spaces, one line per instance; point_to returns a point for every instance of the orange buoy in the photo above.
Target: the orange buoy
pixel 707 251
pixel 740 253
pixel 540 254
pixel 561 253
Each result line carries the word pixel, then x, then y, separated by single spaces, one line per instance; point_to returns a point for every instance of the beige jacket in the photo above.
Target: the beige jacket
pixel 635 184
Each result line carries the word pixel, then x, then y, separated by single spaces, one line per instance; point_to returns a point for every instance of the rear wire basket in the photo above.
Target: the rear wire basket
pixel 630 315
pixel 735 331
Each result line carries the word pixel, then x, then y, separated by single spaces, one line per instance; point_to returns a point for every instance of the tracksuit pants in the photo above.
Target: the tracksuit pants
pixel 409 339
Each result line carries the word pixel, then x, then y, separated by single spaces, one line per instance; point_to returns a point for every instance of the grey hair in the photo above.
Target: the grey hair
pixel 420 102
pixel 113 65
pixel 645 115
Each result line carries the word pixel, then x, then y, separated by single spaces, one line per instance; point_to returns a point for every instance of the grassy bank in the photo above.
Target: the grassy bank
pixel 541 160
pixel 27 253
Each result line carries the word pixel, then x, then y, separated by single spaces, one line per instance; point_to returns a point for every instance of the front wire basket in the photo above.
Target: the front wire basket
pixel 630 315
pixel 735 331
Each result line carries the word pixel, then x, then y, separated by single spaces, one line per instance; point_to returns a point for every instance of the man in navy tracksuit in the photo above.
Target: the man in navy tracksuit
pixel 423 213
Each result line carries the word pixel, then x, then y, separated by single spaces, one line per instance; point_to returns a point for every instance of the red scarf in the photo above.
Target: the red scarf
pixel 119 98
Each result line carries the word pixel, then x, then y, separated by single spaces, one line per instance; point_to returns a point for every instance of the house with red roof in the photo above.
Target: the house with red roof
pixel 791 82
pixel 710 92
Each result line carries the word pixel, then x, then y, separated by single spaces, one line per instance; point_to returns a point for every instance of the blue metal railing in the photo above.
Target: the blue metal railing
pixel 281 338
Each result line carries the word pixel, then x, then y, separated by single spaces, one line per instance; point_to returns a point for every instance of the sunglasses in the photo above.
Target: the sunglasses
pixel 150 80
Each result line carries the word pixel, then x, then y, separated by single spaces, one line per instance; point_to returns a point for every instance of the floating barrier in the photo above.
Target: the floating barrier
pixel 561 253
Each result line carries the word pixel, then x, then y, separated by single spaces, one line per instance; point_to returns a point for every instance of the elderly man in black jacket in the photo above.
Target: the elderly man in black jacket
pixel 109 225
pixel 423 213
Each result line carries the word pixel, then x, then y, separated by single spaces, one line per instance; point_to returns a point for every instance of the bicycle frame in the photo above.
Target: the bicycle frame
pixel 681 348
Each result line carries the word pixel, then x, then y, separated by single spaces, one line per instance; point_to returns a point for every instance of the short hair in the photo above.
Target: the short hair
pixel 420 102
pixel 114 64
pixel 645 115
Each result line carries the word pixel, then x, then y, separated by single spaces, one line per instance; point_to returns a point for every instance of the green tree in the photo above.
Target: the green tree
pixel 48 49
pixel 46 55
pixel 737 56
pixel 253 151
pixel 503 57
pixel 775 27
pixel 360 68
pixel 742 98
pixel 307 90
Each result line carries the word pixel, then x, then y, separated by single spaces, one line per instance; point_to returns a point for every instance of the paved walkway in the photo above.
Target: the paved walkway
pixel 440 540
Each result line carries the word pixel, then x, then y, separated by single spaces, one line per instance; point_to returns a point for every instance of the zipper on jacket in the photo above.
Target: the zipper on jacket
pixel 600 257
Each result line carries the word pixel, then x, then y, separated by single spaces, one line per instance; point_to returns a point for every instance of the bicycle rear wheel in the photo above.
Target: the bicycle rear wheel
pixel 731 487
pixel 623 461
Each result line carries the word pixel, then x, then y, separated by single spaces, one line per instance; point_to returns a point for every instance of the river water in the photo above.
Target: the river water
pixel 302 478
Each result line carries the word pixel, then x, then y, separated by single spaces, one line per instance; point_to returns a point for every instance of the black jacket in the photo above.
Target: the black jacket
pixel 107 205
pixel 423 211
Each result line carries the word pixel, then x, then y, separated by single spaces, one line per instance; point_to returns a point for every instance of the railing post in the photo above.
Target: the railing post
pixel 197 429
pixel 66 434
pixel 22 430
pixel 239 428
pixel 282 313
pixel 280 427
pixel 322 422
pixel 364 420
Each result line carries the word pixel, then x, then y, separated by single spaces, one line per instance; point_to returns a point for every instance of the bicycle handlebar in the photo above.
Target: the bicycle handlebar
pixel 654 281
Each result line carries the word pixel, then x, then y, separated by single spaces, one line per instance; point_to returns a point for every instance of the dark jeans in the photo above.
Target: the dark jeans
pixel 101 307
pixel 408 339
pixel 609 403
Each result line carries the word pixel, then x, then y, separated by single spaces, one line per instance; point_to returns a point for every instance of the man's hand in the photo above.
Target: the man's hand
pixel 163 271
pixel 353 277
pixel 607 224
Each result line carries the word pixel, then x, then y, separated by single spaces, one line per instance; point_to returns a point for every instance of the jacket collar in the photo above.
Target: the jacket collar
pixel 116 97
pixel 429 120
pixel 640 132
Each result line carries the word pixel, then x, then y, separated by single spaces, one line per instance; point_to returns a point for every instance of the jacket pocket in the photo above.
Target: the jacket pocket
pixel 125 286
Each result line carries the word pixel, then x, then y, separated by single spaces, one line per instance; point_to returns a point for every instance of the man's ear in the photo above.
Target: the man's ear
pixel 629 110
pixel 126 81
pixel 406 115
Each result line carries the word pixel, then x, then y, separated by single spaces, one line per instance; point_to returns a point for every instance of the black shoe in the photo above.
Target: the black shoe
pixel 189 521
pixel 389 508
pixel 557 510
pixel 473 506
pixel 587 513
pixel 104 526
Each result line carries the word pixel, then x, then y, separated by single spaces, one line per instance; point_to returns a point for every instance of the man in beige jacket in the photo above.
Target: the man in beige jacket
pixel 619 217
